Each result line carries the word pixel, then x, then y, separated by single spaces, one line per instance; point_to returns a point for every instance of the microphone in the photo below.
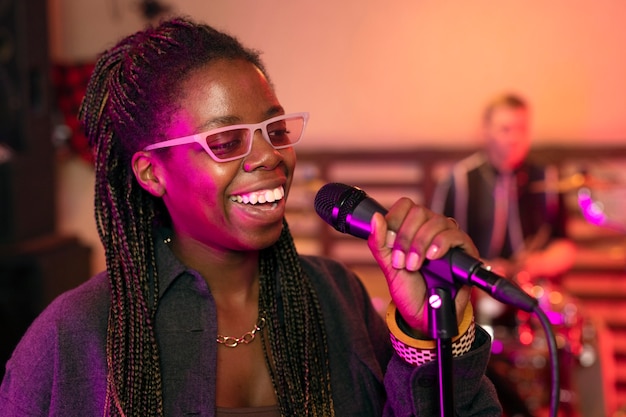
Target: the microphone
pixel 349 210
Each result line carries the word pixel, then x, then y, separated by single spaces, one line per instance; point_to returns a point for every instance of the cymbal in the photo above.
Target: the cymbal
pixel 573 183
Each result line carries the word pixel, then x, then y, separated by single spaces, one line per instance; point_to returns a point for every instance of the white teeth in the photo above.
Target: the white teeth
pixel 260 197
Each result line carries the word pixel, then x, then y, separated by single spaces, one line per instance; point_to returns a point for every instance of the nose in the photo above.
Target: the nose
pixel 262 153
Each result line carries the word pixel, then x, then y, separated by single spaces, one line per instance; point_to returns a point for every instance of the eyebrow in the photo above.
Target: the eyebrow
pixel 224 121
pixel 218 122
pixel 274 111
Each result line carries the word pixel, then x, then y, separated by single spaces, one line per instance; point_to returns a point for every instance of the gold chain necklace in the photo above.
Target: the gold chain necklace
pixel 246 338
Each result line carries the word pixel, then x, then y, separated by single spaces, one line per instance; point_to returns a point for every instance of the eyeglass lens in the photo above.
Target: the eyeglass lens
pixel 236 142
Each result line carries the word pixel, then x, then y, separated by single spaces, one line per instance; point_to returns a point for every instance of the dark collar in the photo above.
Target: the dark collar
pixel 168 266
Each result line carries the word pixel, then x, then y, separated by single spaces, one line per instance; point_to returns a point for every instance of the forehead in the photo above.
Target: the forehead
pixel 507 114
pixel 222 92
pixel 231 83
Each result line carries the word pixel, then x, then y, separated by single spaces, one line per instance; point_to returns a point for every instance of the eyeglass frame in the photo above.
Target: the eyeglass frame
pixel 200 138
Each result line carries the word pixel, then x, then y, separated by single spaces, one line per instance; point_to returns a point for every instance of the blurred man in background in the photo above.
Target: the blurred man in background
pixel 514 212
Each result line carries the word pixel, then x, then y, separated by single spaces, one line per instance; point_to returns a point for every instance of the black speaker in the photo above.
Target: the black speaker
pixel 27 161
pixel 32 274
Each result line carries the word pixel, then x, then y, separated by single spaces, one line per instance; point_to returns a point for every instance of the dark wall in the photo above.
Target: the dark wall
pixel 36 264
pixel 27 186
pixel 32 274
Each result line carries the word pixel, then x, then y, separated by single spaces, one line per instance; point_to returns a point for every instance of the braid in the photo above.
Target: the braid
pixel 296 333
pixel 124 218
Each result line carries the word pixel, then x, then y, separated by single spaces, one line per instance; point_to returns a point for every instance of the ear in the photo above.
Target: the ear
pixel 146 167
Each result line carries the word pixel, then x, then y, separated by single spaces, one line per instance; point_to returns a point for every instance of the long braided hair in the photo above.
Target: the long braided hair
pixel 129 99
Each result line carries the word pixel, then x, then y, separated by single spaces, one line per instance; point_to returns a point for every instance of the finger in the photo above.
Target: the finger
pixel 384 237
pixel 406 218
pixel 421 236
pixel 444 234
pixel 378 236
pixel 381 241
pixel 454 222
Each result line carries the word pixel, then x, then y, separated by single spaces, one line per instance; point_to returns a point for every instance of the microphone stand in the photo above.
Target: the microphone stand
pixel 442 326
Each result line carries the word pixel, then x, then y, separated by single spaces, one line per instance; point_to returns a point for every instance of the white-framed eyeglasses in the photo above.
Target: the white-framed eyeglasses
pixel 233 142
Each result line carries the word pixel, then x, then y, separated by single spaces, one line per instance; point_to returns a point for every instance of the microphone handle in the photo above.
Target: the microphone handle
pixel 358 222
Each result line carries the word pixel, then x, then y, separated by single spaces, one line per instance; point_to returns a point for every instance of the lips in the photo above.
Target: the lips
pixel 260 196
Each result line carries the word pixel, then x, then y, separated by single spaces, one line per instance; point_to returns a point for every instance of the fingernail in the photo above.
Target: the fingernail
pixel 390 239
pixel 412 260
pixel 397 259
pixel 432 251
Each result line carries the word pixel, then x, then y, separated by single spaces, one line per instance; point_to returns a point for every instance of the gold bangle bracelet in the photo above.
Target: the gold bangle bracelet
pixel 420 351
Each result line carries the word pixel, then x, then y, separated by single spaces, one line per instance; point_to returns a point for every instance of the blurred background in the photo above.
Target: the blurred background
pixel 395 91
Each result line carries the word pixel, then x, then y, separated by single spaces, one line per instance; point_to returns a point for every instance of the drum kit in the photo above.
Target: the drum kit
pixel 520 350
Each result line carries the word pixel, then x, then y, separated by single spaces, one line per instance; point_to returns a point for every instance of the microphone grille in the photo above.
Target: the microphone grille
pixel 335 201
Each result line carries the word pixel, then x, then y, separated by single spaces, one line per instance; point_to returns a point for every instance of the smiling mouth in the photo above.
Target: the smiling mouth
pixel 260 197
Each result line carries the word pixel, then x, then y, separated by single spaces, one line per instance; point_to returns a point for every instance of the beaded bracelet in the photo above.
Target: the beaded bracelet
pixel 418 351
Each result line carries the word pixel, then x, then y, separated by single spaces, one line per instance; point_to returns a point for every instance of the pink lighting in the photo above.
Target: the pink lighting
pixel 591 210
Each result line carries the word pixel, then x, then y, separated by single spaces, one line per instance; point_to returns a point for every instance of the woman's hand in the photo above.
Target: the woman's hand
pixel 400 241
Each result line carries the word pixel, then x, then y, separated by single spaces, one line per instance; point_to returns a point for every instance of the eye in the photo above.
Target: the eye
pixel 228 143
pixel 279 133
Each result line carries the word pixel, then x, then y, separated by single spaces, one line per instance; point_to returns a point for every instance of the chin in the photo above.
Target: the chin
pixel 270 236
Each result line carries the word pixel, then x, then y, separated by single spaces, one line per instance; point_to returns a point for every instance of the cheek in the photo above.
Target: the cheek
pixel 500 147
pixel 193 173
pixel 290 164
